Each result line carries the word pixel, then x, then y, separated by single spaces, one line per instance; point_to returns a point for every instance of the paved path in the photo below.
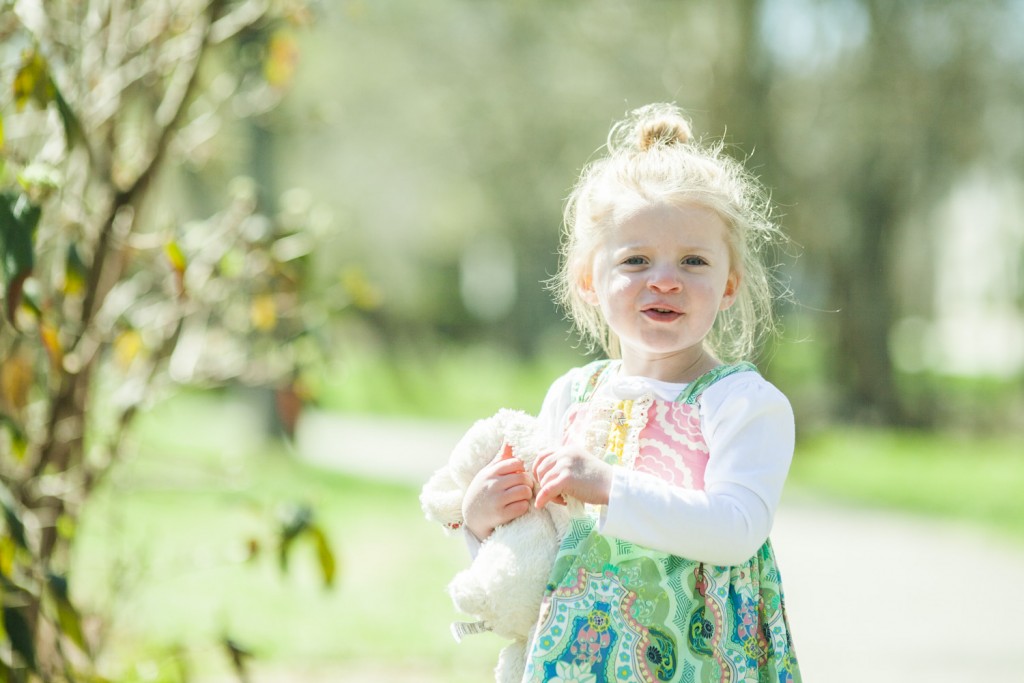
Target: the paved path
pixel 872 596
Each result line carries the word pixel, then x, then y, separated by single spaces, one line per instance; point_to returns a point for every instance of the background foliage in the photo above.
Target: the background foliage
pixel 355 204
pixel 887 133
pixel 109 293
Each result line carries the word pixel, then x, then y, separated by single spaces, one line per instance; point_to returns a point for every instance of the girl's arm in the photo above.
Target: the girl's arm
pixel 749 429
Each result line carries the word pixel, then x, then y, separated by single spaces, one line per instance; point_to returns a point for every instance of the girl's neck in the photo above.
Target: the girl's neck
pixel 680 369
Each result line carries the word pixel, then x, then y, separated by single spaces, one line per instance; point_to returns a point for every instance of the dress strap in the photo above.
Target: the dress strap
pixel 695 388
pixel 588 379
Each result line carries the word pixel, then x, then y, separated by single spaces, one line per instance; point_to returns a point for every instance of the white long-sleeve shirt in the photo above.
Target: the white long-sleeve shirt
pixel 749 430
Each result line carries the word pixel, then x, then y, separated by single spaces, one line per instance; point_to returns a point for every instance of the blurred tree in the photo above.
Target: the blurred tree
pixel 860 126
pixel 110 289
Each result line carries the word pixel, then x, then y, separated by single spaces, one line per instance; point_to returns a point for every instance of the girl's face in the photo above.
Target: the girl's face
pixel 660 278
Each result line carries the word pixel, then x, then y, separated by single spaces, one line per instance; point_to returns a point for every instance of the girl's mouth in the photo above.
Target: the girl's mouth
pixel 661 313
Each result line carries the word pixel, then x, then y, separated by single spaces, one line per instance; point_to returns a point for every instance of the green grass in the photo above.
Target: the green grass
pixel 445 383
pixel 165 543
pixel 972 479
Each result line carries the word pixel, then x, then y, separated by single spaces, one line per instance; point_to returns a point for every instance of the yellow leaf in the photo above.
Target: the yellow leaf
pixel 74 273
pixel 32 82
pixel 177 260
pixel 16 377
pixel 175 256
pixel 282 59
pixel 66 526
pixel 7 552
pixel 126 348
pixel 263 313
pixel 361 292
pixel 51 342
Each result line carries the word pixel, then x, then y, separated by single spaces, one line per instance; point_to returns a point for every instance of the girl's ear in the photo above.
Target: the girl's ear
pixel 732 288
pixel 586 289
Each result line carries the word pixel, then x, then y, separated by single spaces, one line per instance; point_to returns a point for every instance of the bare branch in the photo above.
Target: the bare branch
pixel 172 108
pixel 242 17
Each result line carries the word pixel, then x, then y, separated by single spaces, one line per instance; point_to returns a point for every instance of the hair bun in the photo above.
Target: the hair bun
pixel 664 130
pixel 649 127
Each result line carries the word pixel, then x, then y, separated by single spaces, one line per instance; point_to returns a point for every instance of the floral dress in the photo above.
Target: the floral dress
pixel 618 611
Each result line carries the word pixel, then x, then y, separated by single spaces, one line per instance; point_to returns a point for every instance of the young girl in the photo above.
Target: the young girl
pixel 677 446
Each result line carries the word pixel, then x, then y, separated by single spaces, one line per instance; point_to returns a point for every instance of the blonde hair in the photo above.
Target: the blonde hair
pixel 653 158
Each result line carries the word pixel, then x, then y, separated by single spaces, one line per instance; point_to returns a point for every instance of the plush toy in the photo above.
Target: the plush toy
pixel 504 584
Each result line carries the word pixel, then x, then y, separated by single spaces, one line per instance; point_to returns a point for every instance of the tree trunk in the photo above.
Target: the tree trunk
pixel 861 278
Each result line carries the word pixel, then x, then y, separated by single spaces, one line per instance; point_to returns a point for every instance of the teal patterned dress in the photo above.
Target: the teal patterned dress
pixel 617 611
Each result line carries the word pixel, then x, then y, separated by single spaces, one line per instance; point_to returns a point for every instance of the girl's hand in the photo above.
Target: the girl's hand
pixel 571 471
pixel 499 493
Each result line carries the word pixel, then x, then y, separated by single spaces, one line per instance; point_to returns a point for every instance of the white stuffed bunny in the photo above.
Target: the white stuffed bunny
pixel 504 584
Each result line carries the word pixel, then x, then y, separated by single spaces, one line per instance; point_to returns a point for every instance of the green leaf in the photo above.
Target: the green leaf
pixel 328 562
pixel 75 272
pixel 72 128
pixel 15 527
pixel 18 220
pixel 19 635
pixel 18 441
pixel 67 616
pixel 294 520
pixel 297 523
pixel 239 657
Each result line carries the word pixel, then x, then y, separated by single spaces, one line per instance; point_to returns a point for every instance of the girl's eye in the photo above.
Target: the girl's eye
pixel 694 261
pixel 634 261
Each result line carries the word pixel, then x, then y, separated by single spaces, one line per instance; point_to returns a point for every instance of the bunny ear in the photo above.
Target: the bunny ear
pixel 441 499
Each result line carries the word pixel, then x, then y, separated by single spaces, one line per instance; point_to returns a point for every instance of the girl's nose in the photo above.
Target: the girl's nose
pixel 664 280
